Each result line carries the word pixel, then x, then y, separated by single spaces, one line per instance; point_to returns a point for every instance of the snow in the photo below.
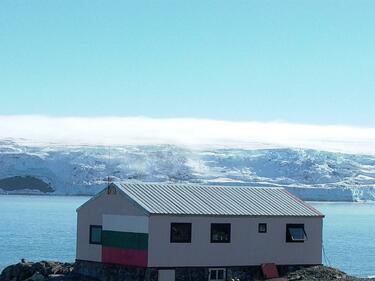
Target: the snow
pixel 311 174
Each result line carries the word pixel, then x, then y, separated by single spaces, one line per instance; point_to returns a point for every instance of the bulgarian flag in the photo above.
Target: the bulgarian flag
pixel 125 240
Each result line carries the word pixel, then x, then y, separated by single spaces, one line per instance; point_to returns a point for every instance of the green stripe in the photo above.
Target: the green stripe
pixel 125 240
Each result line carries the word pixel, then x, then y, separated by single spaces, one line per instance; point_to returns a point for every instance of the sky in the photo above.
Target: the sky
pixel 300 62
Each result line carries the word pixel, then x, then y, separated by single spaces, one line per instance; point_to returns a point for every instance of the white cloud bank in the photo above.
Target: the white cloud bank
pixel 41 130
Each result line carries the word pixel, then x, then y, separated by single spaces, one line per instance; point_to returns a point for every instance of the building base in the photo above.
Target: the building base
pixel 112 272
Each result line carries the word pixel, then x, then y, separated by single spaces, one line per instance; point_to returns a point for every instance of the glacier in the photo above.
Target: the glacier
pixel 84 170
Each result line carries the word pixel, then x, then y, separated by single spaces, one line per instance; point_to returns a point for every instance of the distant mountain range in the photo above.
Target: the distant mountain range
pixel 311 174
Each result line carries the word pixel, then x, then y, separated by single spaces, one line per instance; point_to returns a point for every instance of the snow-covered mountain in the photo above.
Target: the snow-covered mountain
pixel 311 174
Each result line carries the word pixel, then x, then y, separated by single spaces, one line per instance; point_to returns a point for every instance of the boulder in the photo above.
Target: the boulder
pixel 17 272
pixel 37 277
pixel 37 271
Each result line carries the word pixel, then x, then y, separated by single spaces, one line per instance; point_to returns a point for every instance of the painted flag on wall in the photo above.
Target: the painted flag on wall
pixel 125 240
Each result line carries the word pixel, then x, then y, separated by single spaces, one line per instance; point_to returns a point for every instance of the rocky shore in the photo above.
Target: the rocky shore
pixel 57 271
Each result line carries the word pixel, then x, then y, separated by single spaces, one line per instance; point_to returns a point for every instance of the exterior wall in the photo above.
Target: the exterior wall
pixel 232 273
pixel 92 214
pixel 113 272
pixel 247 247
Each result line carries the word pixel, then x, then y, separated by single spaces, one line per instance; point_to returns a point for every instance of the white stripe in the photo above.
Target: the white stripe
pixel 137 224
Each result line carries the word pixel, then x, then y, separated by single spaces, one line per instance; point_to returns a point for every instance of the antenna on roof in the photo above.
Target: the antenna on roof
pixel 109 165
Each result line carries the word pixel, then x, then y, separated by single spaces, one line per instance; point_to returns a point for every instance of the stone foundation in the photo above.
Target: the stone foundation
pixel 109 272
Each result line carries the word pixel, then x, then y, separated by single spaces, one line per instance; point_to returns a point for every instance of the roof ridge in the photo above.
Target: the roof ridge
pixel 199 185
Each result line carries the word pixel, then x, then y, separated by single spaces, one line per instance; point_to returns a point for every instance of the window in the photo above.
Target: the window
pixel 180 232
pixel 217 274
pixel 220 233
pixel 95 234
pixel 262 228
pixel 295 233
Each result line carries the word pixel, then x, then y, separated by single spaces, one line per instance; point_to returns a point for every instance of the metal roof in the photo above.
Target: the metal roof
pixel 187 199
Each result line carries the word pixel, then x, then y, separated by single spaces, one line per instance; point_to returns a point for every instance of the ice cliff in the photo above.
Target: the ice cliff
pixel 311 174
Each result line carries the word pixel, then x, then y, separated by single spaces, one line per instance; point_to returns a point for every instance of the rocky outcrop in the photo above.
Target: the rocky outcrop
pixel 321 273
pixel 39 271
pixel 79 271
pixel 83 271
pixel 23 183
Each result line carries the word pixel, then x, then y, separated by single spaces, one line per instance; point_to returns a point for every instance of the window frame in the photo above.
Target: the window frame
pixel 288 238
pixel 221 241
pixel 101 232
pixel 171 240
pixel 265 227
pixel 216 270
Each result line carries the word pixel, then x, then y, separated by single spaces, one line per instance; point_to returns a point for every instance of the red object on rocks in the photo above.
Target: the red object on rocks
pixel 269 270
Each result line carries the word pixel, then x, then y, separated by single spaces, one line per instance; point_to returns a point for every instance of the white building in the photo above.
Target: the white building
pixel 167 227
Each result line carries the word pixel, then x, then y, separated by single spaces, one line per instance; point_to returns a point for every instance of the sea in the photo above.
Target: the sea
pixel 44 228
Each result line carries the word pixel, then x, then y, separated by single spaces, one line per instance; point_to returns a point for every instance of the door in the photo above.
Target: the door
pixel 216 274
pixel 166 275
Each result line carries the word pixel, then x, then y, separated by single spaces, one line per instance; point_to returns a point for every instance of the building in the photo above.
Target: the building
pixel 202 230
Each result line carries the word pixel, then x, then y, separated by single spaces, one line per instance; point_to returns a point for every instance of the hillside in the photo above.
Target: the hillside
pixel 311 174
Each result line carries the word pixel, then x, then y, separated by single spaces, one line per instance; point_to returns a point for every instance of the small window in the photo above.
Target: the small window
pixel 262 228
pixel 180 232
pixel 217 274
pixel 295 233
pixel 220 233
pixel 95 234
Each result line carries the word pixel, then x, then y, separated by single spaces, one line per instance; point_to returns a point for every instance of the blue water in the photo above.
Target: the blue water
pixel 37 228
pixel 349 236
pixel 44 227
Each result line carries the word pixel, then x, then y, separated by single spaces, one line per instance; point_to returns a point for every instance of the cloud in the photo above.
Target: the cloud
pixel 196 133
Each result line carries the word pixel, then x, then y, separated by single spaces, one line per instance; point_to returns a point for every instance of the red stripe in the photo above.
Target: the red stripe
pixel 124 256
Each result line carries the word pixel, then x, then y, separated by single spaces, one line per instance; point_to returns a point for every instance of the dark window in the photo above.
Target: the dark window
pixel 95 234
pixel 262 228
pixel 180 232
pixel 220 274
pixel 295 233
pixel 220 232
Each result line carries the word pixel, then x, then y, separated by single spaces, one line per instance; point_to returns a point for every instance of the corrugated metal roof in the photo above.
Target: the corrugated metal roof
pixel 183 199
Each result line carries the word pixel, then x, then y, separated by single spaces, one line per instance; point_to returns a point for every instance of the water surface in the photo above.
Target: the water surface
pixel 349 236
pixel 38 228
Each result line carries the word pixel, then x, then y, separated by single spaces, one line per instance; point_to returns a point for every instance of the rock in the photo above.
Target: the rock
pixel 57 277
pixel 17 272
pixel 322 273
pixel 297 277
pixel 37 277
pixel 38 271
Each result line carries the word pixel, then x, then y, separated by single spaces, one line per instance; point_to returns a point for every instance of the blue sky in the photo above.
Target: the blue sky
pixel 297 61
